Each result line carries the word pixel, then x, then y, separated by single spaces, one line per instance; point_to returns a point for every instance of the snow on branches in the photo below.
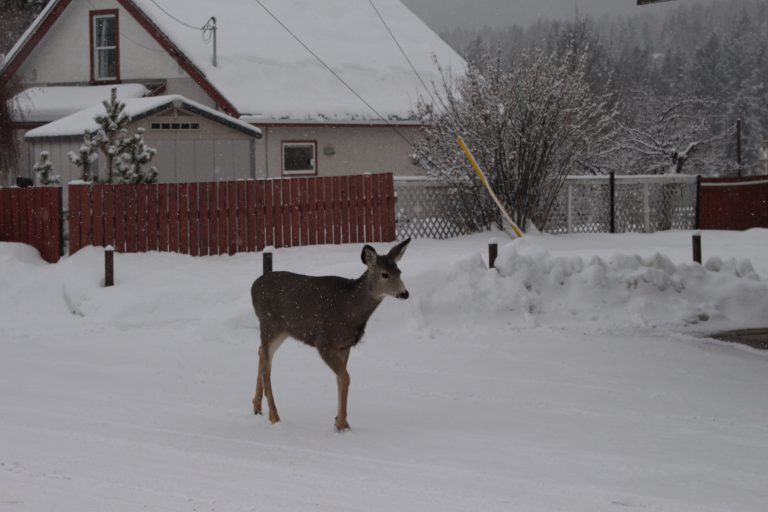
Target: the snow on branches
pixel 42 170
pixel 528 126
pixel 86 157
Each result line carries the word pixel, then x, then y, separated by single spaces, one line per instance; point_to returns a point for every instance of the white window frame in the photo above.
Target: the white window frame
pixel 297 144
pixel 96 48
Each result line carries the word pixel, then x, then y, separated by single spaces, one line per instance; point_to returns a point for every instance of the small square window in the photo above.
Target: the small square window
pixel 299 157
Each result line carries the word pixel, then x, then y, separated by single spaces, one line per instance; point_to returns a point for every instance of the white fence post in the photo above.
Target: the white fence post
pixel 646 208
pixel 569 214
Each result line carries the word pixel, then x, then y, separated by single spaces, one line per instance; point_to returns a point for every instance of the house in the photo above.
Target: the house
pixel 331 84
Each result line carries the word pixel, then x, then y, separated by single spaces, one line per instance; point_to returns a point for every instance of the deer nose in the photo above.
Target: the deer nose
pixel 403 295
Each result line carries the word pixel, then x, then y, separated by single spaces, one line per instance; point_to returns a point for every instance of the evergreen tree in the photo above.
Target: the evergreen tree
pixel 112 125
pixel 133 154
pixel 86 158
pixel 43 170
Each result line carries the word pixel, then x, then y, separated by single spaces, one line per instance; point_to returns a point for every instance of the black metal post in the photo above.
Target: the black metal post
pixel 493 252
pixel 109 266
pixel 697 247
pixel 267 261
pixel 613 201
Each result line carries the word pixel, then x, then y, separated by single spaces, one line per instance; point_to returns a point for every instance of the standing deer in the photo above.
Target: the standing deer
pixel 328 313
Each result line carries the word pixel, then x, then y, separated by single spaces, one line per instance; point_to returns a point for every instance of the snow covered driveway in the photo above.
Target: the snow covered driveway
pixel 562 386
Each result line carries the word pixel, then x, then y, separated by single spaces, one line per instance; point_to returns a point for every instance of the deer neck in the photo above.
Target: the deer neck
pixel 364 300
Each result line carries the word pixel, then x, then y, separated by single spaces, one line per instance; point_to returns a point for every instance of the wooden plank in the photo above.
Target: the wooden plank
pixel 295 212
pixel 184 218
pixel 163 220
pixel 4 214
pixel 194 220
pixel 131 218
pixel 242 217
pixel 29 214
pixel 97 202
pixel 45 224
pixel 361 218
pixel 108 214
pixel 153 227
pixel 337 222
pixel 173 217
pixel 86 217
pixel 277 208
pixel 286 212
pixel 57 227
pixel 142 219
pixel 232 210
pixel 269 214
pixel 17 217
pixel 203 198
pixel 369 237
pixel 352 210
pixel 312 210
pixel 222 213
pixel 213 218
pixel 388 222
pixel 120 218
pixel 250 203
pixel 344 205
pixel 37 218
pixel 260 211
pixel 377 206
pixel 328 209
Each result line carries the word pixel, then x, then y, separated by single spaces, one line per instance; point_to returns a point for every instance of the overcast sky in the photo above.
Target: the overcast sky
pixel 441 14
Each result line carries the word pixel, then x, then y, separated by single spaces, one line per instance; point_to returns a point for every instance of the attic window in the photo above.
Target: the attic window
pixel 299 157
pixel 105 47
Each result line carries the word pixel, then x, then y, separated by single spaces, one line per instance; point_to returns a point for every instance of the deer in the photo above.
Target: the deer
pixel 329 313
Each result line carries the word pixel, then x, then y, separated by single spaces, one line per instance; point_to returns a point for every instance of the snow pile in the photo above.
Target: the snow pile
pixel 620 289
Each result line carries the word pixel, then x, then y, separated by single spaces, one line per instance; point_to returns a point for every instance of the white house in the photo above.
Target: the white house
pixel 332 84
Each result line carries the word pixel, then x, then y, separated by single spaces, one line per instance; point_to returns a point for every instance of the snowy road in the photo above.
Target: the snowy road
pixel 141 399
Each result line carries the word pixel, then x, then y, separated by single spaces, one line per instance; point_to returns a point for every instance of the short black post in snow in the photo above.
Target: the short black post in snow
pixel 109 266
pixel 493 252
pixel 697 246
pixel 267 261
pixel 612 187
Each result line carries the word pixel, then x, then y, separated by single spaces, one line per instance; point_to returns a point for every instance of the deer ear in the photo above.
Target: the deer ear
pixel 368 255
pixel 397 251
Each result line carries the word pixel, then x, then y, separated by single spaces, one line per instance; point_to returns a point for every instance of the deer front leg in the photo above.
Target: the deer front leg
pixel 337 360
pixel 259 382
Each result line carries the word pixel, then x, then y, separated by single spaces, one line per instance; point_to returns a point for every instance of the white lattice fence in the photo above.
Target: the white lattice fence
pixel 427 208
pixel 641 203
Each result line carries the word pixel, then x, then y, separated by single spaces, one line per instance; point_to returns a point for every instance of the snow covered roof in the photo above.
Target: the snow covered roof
pixel 266 74
pixel 74 125
pixel 43 104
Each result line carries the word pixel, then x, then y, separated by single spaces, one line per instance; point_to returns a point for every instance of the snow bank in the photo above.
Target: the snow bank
pixel 533 285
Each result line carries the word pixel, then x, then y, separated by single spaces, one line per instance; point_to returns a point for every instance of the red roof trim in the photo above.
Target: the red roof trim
pixel 179 56
pixel 33 40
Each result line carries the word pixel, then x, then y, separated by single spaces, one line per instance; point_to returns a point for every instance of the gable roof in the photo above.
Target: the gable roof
pixel 136 108
pixel 264 73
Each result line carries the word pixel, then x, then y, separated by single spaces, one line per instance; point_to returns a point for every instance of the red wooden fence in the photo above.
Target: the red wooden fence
pixel 734 203
pixel 231 217
pixel 33 216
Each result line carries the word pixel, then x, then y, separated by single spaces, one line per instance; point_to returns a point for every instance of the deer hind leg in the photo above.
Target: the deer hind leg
pixel 337 360
pixel 269 345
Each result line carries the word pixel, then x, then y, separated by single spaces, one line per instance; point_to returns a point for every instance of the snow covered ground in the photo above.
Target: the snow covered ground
pixel 579 377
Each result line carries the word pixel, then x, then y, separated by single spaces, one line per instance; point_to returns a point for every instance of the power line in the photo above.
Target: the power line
pixel 334 73
pixel 174 17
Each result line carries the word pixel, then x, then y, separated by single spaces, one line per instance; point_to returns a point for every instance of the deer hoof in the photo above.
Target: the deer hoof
pixel 342 426
pixel 274 418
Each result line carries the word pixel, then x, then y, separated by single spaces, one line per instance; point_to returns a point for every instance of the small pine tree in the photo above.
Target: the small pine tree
pixel 112 125
pixel 86 157
pixel 43 170
pixel 132 155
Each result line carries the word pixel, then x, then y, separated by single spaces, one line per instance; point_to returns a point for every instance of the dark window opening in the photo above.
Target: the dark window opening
pixel 299 157
pixel 105 47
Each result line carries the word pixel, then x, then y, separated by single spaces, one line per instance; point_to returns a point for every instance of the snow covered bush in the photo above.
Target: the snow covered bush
pixel 528 126
pixel 43 170
pixel 86 158
pixel 133 154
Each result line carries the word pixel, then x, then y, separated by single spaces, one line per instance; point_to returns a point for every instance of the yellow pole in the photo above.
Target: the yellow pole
pixel 484 181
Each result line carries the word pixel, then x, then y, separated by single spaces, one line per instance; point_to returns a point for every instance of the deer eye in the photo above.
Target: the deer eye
pixel 384 275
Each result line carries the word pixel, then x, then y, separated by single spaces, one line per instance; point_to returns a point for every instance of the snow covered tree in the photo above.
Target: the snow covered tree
pixel 133 154
pixel 86 158
pixel 528 127
pixel 43 170
pixel 112 124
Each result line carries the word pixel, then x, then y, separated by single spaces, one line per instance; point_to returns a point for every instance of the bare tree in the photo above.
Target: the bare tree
pixel 528 126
